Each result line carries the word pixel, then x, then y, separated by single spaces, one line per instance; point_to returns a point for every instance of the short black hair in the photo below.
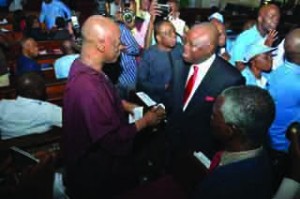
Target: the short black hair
pixel 31 85
pixel 157 26
pixel 60 22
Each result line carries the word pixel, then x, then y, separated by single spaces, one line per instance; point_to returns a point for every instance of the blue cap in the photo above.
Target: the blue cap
pixel 254 50
pixel 217 16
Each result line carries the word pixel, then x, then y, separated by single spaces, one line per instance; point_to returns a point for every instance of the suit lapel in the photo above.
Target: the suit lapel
pixel 205 88
pixel 180 73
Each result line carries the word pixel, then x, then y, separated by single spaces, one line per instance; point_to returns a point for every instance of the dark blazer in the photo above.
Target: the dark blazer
pixel 248 179
pixel 190 129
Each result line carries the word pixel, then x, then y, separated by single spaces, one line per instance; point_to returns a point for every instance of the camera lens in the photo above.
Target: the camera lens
pixel 128 16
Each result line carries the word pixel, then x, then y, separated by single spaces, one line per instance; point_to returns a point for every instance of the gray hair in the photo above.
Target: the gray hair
pixel 250 108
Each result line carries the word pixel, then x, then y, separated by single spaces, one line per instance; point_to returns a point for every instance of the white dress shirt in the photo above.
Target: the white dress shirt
pixel 23 116
pixel 202 70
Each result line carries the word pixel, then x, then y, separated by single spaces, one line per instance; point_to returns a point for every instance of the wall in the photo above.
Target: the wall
pixel 222 3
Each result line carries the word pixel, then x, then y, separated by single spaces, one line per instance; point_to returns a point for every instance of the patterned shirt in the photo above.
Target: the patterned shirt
pixel 128 58
pixel 50 11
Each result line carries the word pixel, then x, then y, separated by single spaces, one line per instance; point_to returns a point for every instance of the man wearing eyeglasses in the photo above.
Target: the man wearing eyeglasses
pixel 197 80
pixel 155 69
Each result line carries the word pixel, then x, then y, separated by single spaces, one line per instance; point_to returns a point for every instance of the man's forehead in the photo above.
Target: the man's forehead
pixel 165 26
pixel 199 35
pixel 269 9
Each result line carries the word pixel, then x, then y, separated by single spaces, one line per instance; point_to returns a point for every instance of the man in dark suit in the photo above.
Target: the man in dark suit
pixel 240 120
pixel 197 80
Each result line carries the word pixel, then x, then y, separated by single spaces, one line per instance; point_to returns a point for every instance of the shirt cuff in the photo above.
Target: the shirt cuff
pixel 288 189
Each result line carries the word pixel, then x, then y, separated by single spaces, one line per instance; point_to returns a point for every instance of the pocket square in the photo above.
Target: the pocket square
pixel 209 99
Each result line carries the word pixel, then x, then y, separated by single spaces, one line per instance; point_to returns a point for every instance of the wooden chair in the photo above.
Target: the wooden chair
pixel 31 181
pixel 54 88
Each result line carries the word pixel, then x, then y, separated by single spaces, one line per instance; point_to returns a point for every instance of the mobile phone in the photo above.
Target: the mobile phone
pixel 74 21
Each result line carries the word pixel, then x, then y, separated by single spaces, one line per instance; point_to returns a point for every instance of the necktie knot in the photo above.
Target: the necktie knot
pixel 195 67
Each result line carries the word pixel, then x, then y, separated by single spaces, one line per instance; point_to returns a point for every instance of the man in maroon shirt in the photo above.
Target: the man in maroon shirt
pixel 97 137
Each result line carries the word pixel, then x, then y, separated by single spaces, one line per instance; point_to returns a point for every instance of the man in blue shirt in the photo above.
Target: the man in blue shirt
pixel 63 64
pixel 26 62
pixel 52 9
pixel 129 51
pixel 155 69
pixel 285 89
pixel 259 63
pixel 264 32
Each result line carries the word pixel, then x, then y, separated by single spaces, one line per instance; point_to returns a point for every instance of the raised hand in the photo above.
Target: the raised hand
pixel 271 37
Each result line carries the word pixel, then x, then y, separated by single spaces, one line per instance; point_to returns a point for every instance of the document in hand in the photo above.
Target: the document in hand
pixel 138 111
pixel 148 101
pixel 202 158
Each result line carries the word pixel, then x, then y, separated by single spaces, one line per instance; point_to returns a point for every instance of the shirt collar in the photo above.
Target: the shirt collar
pixel 231 157
pixel 27 100
pixel 207 63
pixel 81 67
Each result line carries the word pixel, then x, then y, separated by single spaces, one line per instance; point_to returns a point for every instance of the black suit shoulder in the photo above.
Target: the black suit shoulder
pixel 227 72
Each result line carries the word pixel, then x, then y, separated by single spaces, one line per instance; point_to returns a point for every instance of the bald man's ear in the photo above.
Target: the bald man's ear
pixel 259 19
pixel 101 47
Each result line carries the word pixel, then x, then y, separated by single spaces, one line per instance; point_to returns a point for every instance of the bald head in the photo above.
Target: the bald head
pixel 205 32
pixel 292 46
pixel 201 42
pixel 101 40
pixel 265 9
pixel 268 18
pixel 97 28
pixel 29 47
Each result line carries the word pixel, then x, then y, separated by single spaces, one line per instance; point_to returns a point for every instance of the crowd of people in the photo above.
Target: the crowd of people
pixel 233 105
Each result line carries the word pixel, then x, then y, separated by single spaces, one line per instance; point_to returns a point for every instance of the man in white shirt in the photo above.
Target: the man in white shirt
pixel 28 113
pixel 179 24
pixel 190 109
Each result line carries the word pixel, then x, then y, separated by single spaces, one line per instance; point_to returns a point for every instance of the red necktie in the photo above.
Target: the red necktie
pixel 190 84
pixel 215 161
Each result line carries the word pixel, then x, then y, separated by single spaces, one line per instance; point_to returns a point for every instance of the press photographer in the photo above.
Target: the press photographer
pixel 174 18
pixel 158 12
pixel 130 48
